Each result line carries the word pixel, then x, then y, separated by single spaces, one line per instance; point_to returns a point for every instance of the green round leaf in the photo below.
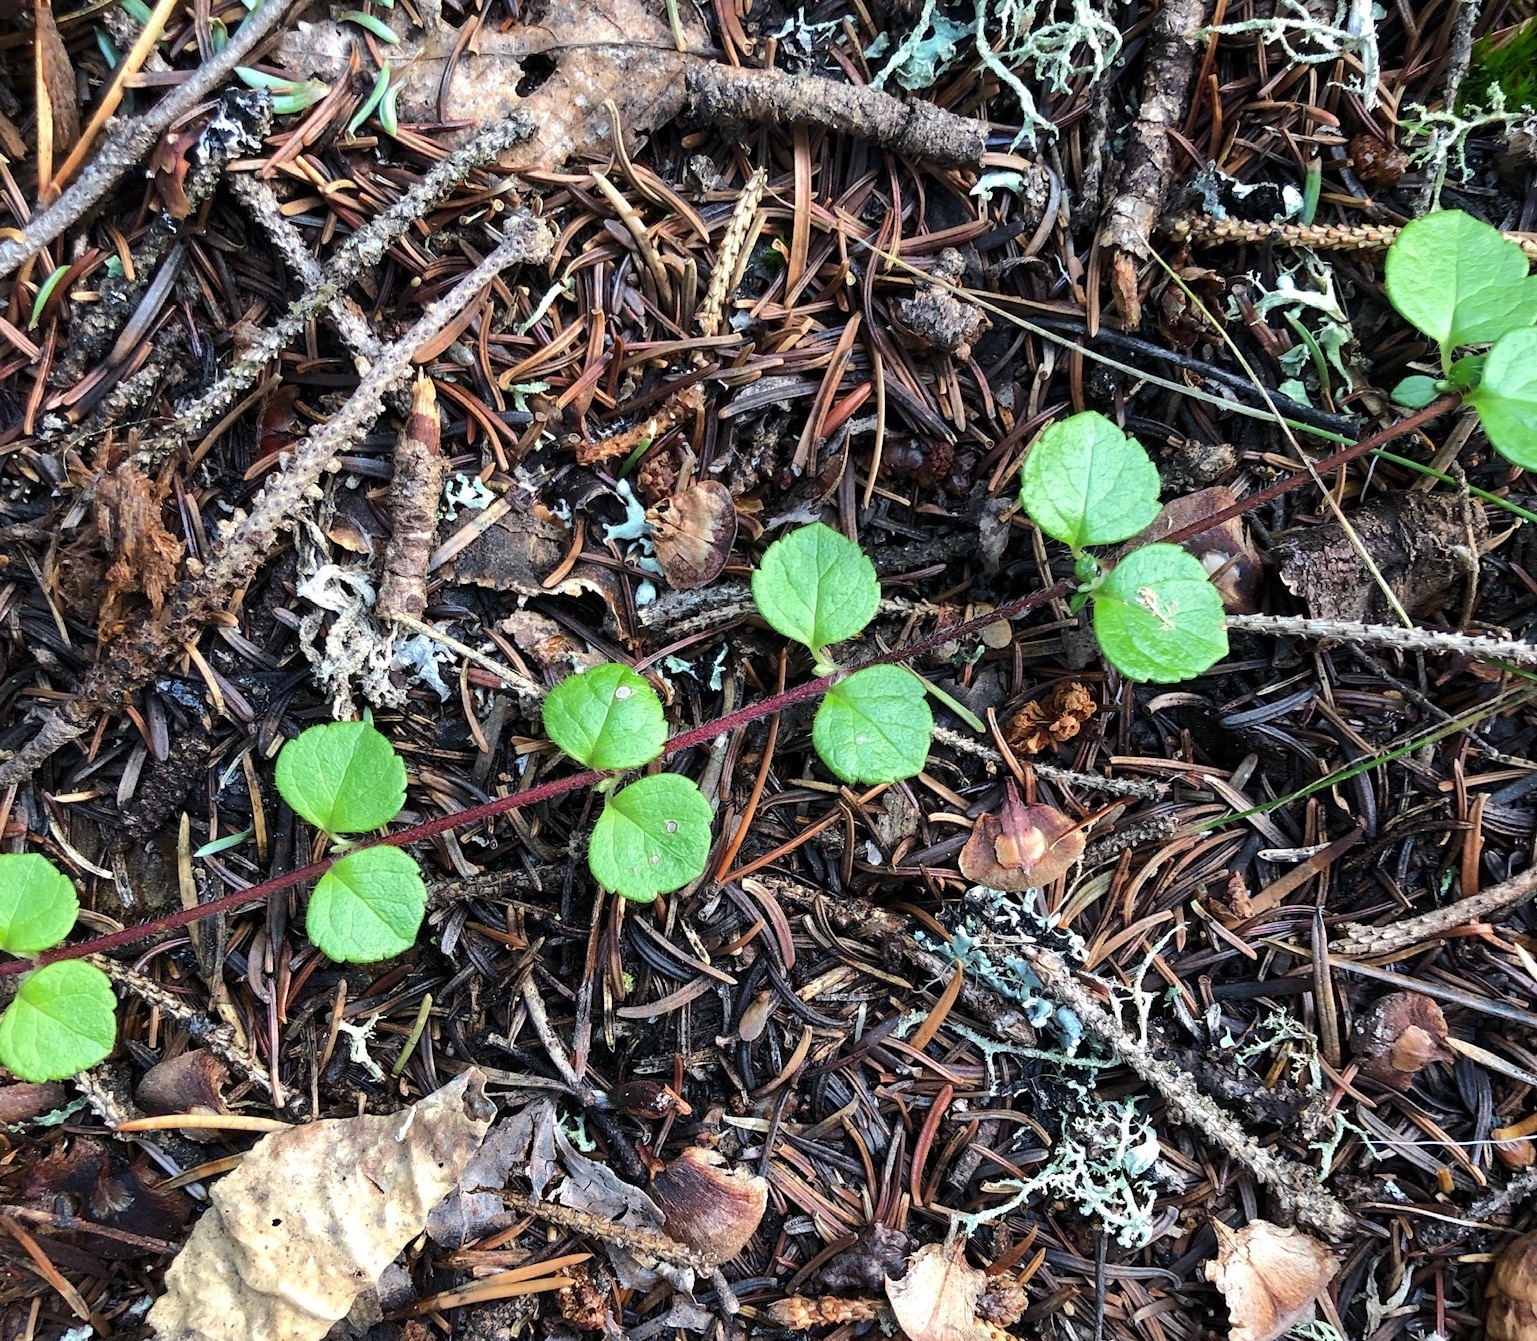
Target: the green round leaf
pixel 1415 393
pixel 343 777
pixel 652 837
pixel 1158 618
pixel 874 726
pixel 606 717
pixel 1087 483
pixel 63 1020
pixel 368 906
pixel 816 586
pixel 37 904
pixel 1459 281
pixel 1507 398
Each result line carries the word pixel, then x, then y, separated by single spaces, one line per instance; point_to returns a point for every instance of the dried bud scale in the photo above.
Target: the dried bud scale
pixel 710 1207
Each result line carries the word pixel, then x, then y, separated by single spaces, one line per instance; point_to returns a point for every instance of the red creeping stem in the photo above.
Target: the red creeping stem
pixel 700 734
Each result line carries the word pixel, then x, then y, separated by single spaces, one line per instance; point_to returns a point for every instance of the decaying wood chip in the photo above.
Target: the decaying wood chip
pixel 1419 542
pixel 1271 1278
pixel 414 489
pixel 936 318
pixel 58 80
pixel 312 1217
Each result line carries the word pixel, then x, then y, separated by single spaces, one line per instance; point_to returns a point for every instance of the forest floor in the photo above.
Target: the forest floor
pixel 670 283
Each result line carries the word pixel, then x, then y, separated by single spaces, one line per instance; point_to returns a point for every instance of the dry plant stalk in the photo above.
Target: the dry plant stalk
pixel 730 257
pixel 1362 942
pixel 1434 641
pixel 1321 237
pixel 681 405
pixel 414 490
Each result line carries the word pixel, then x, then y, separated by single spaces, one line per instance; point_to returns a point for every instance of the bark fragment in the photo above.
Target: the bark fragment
pixel 414 491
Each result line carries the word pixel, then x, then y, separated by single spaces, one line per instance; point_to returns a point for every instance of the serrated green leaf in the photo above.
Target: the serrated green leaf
pixel 1415 393
pixel 816 586
pixel 874 726
pixel 1507 397
pixel 37 903
pixel 652 837
pixel 63 1021
pixel 368 906
pixel 606 717
pixel 343 777
pixel 1087 483
pixel 1459 281
pixel 1158 618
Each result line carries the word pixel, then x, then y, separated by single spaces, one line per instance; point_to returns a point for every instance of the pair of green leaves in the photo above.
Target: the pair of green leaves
pixel 1157 616
pixel 345 777
pixel 64 1016
pixel 653 836
pixel 1461 283
pixel 818 588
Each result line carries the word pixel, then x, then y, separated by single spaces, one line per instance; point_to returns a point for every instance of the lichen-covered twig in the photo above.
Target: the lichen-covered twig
pixel 364 248
pixel 262 203
pixel 731 95
pixel 1210 232
pixel 1357 941
pixel 140 653
pixel 1434 641
pixel 129 141
pixel 1295 1184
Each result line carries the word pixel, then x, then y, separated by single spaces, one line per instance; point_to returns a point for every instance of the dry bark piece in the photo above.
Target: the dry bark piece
pixel 694 531
pixel 1020 847
pixel 938 1298
pixel 558 67
pixel 414 489
pixel 1510 1299
pixel 1149 156
pixel 58 80
pixel 1271 1278
pixel 712 1208
pixel 1048 721
pixel 937 318
pixel 1398 1037
pixel 312 1217
pixel 1419 543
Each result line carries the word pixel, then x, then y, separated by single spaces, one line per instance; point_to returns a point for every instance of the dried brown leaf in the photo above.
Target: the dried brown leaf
pixel 1399 1036
pixel 694 531
pixel 312 1217
pixel 566 58
pixel 143 555
pixel 1271 1278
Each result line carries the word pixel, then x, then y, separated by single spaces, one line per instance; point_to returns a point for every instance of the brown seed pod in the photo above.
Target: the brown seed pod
pixel 1376 162
pixel 1020 847
pixel 713 1209
pixel 1271 1278
pixel 1399 1036
pixel 1510 1299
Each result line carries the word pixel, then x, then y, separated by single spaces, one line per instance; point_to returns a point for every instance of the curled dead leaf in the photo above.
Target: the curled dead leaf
pixel 709 1206
pixel 1398 1037
pixel 1510 1299
pixel 312 1217
pixel 1020 847
pixel 694 531
pixel 1271 1278
pixel 1224 550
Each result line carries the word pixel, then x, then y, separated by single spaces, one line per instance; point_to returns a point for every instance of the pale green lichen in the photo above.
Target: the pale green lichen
pixel 1306 40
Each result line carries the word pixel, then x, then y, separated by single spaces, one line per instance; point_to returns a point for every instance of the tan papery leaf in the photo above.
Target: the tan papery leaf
pixel 312 1217
pixel 1271 1278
